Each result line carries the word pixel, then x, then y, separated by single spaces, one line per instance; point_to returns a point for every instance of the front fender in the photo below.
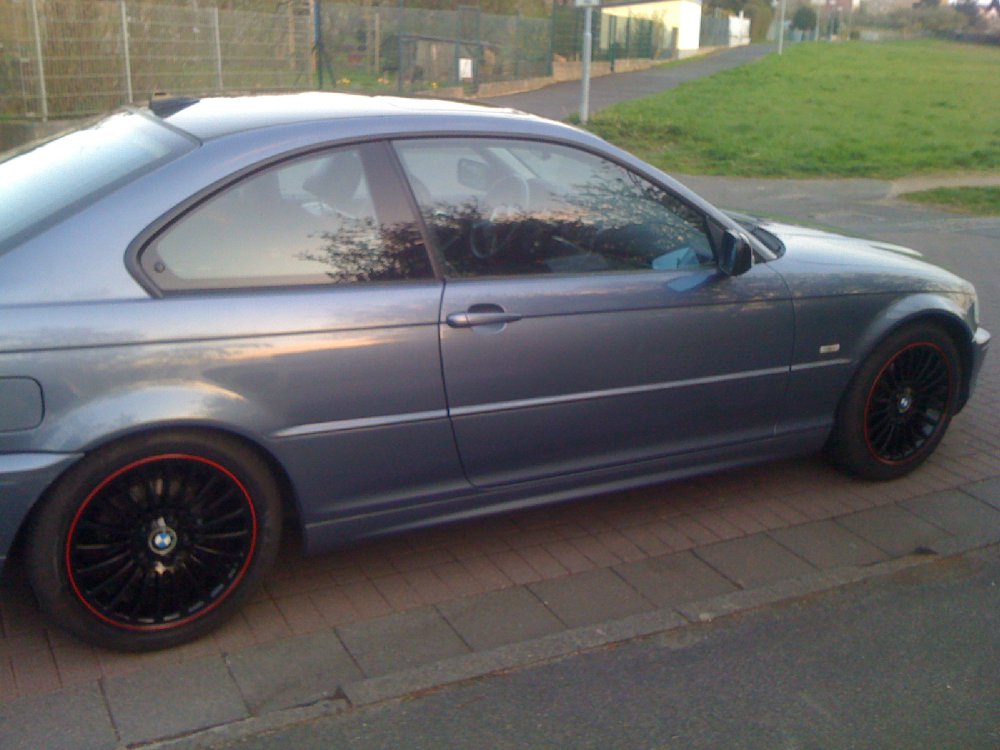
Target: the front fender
pixel 952 311
pixel 834 334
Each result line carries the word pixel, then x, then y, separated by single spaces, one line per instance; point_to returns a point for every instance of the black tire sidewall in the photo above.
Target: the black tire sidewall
pixel 848 444
pixel 51 522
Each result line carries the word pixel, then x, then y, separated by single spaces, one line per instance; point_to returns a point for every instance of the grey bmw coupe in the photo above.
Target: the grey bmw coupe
pixel 369 314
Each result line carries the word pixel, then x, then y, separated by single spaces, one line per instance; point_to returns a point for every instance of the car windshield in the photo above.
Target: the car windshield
pixel 42 183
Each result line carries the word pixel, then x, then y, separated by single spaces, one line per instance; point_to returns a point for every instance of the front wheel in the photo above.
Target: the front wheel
pixel 154 541
pixel 898 405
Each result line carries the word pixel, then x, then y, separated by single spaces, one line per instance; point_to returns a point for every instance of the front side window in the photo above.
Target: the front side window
pixel 509 207
pixel 313 220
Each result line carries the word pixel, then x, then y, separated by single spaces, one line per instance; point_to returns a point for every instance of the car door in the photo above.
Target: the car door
pixel 309 300
pixel 585 323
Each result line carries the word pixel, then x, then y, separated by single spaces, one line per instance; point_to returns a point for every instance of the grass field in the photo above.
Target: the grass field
pixel 847 109
pixel 979 201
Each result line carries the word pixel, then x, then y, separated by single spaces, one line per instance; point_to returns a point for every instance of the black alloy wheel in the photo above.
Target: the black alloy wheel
pixel 152 542
pixel 908 402
pixel 161 542
pixel 899 404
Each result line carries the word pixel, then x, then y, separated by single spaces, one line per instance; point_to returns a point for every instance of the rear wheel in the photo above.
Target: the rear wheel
pixel 153 542
pixel 899 404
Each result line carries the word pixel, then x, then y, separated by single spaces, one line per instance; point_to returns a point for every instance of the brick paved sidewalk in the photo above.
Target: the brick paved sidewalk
pixel 336 621
pixel 540 550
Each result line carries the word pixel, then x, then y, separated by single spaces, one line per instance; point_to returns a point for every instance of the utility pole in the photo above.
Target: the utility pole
pixel 588 16
pixel 781 27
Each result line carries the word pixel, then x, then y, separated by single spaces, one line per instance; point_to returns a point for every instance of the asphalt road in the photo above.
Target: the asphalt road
pixel 966 245
pixel 905 661
pixel 560 100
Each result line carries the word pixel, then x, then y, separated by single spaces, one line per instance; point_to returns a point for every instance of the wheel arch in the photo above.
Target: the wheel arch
pixel 918 310
pixel 289 497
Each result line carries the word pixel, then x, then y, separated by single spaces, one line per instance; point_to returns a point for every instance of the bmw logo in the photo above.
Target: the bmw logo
pixel 162 541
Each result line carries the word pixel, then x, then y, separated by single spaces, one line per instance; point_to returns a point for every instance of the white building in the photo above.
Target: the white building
pixel 683 15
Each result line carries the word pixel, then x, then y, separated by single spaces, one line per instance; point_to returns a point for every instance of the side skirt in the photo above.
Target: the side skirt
pixel 332 534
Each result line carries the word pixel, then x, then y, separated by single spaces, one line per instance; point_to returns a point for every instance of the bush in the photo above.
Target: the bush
pixel 804 18
pixel 935 19
pixel 760 15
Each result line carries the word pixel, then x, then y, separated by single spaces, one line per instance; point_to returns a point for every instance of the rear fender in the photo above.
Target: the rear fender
pixel 166 405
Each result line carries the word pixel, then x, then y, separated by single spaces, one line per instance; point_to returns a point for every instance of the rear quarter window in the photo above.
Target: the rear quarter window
pixel 307 221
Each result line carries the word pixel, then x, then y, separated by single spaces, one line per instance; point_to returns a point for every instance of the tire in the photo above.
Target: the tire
pixel 899 404
pixel 154 541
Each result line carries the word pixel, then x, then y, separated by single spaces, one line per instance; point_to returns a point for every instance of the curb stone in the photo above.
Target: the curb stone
pixel 679 625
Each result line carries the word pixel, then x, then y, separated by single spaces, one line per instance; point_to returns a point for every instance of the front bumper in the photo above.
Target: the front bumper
pixel 980 345
pixel 23 479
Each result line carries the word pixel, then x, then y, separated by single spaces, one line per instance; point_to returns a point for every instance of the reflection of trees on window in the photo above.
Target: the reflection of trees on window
pixel 625 199
pixel 309 221
pixel 359 250
pixel 522 207
pixel 617 224
pixel 451 225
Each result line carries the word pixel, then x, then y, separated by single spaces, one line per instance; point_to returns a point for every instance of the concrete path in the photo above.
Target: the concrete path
pixel 926 182
pixel 561 100
pixel 424 609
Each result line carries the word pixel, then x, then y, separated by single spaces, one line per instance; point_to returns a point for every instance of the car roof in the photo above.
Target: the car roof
pixel 219 116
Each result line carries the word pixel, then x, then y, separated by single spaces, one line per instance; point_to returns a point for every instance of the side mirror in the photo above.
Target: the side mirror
pixel 735 254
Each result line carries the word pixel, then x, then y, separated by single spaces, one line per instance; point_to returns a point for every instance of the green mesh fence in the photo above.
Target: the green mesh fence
pixel 63 58
pixel 613 37
pixel 416 49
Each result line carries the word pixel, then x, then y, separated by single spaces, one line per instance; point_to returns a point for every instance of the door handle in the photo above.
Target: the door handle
pixel 474 318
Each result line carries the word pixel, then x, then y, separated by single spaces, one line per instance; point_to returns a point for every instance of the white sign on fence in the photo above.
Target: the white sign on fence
pixel 465 69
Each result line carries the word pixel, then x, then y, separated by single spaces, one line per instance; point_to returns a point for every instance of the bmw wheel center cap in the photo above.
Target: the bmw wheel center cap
pixel 162 540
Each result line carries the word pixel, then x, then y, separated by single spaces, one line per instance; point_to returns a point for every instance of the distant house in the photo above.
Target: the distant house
pixel 682 15
pixel 845 6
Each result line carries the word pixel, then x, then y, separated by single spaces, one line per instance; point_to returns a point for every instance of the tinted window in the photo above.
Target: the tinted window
pixel 42 183
pixel 313 220
pixel 519 207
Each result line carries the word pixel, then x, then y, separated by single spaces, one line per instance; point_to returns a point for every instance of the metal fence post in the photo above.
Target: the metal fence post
pixel 318 42
pixel 376 45
pixel 43 95
pixel 218 48
pixel 549 62
pixel 457 63
pixel 517 45
pixel 129 95
pixel 612 39
pixel 401 26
